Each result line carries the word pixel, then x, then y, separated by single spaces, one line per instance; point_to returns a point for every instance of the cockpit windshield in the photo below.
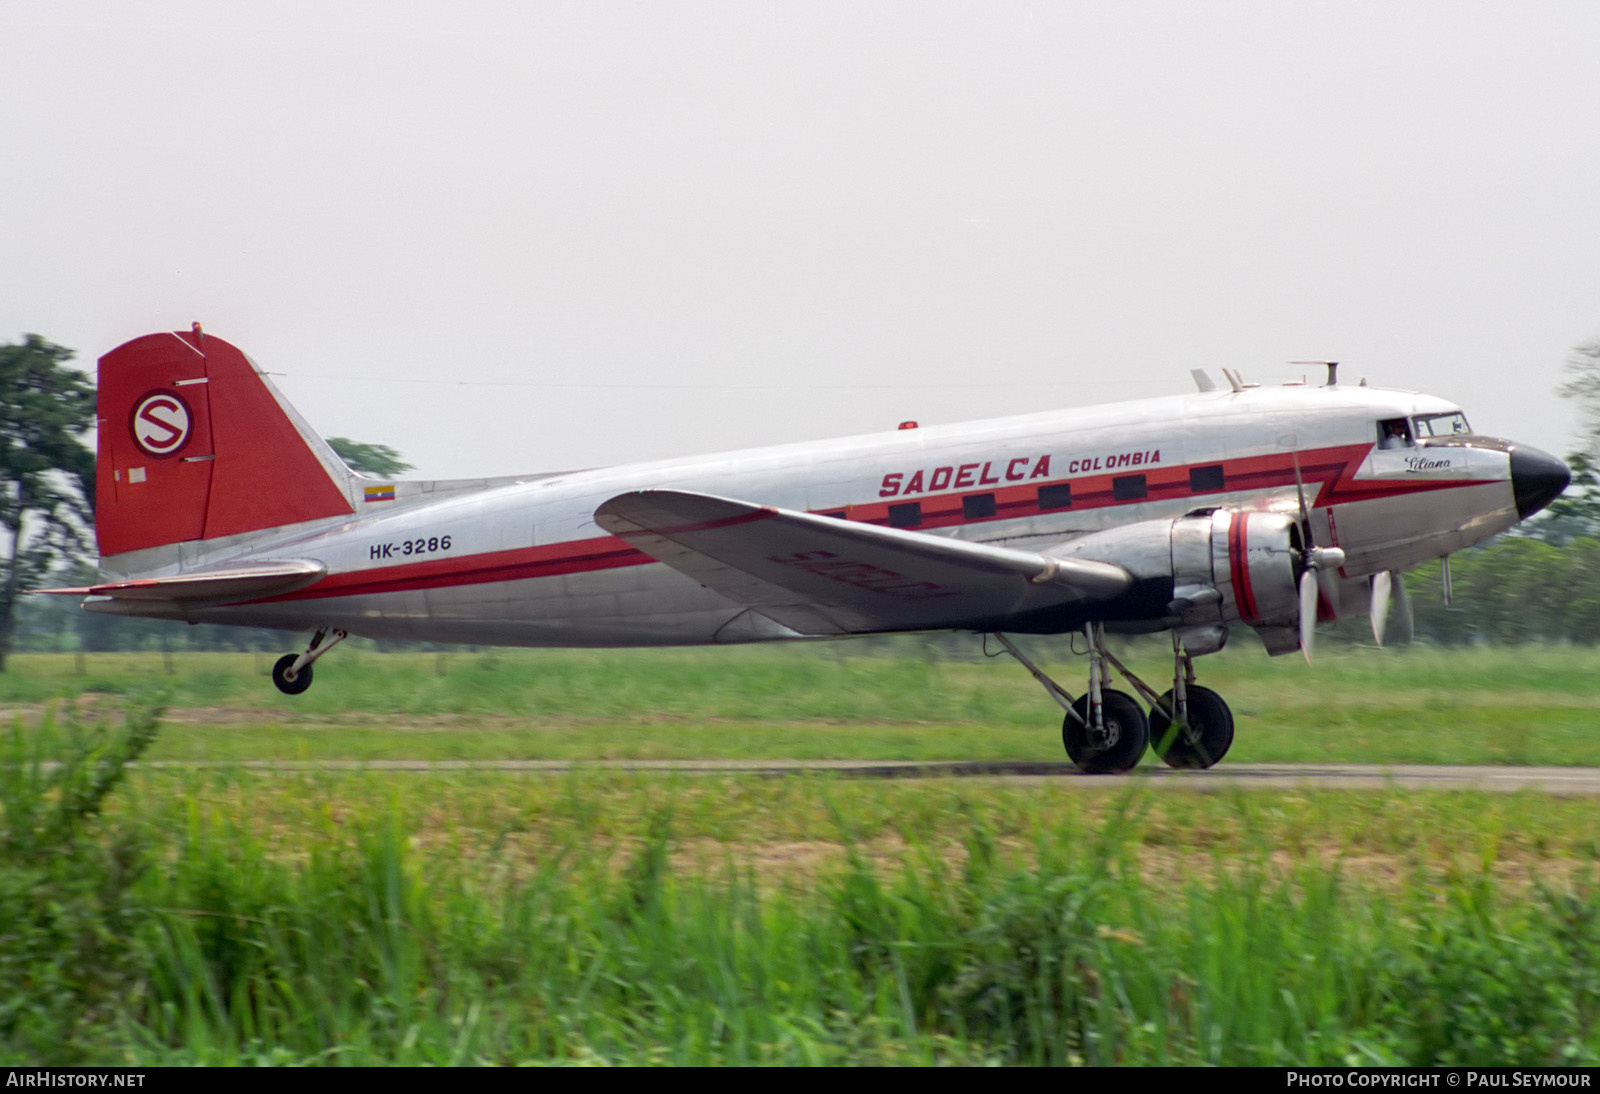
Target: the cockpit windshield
pixel 1439 425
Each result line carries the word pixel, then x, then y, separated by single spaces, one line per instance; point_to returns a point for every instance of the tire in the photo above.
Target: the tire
pixel 301 681
pixel 1208 738
pixel 1127 733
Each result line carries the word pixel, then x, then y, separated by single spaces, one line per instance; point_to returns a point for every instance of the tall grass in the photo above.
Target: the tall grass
pixel 230 918
pixel 67 905
pixel 1057 951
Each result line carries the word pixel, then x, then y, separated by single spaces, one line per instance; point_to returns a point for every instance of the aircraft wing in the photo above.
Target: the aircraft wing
pixel 243 582
pixel 823 576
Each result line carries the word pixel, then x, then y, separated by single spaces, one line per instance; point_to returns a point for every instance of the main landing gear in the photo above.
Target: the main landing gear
pixel 292 673
pixel 1106 732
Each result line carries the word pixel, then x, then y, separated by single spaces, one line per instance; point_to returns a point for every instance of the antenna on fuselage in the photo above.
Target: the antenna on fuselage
pixel 1331 366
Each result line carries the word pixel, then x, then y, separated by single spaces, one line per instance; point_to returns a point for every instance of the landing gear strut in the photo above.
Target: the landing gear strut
pixel 1106 732
pixel 1190 726
pixel 1199 740
pixel 292 673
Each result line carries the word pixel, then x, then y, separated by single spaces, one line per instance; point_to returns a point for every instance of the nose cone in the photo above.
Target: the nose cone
pixel 1537 478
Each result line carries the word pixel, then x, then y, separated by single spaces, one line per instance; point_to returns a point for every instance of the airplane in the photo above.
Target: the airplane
pixel 1262 507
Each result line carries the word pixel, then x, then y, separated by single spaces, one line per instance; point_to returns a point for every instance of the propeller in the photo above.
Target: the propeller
pixel 1382 582
pixel 1315 560
pixel 1308 612
pixel 1389 588
pixel 1402 603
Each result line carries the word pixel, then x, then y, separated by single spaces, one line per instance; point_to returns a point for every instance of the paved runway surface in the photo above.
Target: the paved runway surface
pixel 1549 780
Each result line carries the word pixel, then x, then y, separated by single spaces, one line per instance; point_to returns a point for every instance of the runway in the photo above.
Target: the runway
pixel 1568 781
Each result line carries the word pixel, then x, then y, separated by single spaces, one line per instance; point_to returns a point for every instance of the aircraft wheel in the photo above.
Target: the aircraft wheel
pixel 301 681
pixel 1126 734
pixel 1203 742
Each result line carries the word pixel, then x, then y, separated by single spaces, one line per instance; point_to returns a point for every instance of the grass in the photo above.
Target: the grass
pixel 224 915
pixel 626 919
pixel 1530 705
pixel 234 916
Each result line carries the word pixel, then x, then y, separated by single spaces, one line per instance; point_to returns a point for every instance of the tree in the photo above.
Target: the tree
pixel 1582 386
pixel 369 459
pixel 46 471
pixel 1576 513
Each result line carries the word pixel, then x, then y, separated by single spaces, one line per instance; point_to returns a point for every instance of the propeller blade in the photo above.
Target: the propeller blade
pixel 1308 612
pixel 1328 586
pixel 1402 603
pixel 1381 585
pixel 1300 492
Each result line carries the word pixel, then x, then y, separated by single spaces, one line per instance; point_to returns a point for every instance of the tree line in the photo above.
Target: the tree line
pixel 1540 583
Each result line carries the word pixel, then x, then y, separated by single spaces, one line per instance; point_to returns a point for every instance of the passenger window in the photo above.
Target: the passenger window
pixel 1202 479
pixel 1129 488
pixel 978 507
pixel 1057 495
pixel 905 514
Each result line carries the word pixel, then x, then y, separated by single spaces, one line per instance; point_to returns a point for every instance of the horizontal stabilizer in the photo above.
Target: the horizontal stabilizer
pixel 822 575
pixel 234 583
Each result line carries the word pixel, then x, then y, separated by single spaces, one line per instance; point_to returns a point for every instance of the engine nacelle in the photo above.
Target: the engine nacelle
pixel 1226 566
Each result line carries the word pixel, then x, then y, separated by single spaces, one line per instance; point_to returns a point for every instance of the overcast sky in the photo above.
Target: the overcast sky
pixel 526 236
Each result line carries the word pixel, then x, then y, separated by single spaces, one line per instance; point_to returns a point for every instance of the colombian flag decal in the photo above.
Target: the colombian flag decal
pixel 379 493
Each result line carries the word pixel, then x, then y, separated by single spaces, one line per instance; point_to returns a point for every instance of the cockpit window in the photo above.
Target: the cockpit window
pixel 1441 425
pixel 1394 433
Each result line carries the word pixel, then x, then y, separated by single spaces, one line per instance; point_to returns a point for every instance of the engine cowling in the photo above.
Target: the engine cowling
pixel 1226 566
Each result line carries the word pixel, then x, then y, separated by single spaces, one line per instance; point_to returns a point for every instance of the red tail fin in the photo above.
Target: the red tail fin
pixel 194 444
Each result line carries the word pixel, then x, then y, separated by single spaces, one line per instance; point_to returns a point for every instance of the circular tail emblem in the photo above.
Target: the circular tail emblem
pixel 161 423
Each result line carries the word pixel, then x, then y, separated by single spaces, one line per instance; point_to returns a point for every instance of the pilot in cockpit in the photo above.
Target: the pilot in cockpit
pixel 1394 433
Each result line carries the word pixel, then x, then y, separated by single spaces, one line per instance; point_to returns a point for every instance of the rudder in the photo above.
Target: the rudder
pixel 194 444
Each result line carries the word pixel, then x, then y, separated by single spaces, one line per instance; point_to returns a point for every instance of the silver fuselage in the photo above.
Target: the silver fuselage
pixel 522 561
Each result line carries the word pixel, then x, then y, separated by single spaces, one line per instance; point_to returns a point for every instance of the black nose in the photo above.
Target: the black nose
pixel 1536 479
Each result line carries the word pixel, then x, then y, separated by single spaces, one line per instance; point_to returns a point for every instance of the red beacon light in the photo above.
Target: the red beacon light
pixel 908 425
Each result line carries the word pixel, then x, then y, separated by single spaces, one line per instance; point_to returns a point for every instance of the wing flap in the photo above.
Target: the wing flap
pixel 233 583
pixel 820 575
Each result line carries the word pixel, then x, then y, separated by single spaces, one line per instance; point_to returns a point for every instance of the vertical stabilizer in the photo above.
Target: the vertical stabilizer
pixel 195 444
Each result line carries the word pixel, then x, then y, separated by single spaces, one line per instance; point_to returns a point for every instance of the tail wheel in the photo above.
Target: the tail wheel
pixel 1116 748
pixel 280 675
pixel 1201 743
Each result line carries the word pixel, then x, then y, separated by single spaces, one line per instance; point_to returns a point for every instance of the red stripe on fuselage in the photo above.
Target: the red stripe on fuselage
pixel 1332 471
pixel 578 556
pixel 1327 473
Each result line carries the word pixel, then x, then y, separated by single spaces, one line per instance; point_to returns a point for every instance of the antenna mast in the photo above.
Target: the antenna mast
pixel 1331 366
